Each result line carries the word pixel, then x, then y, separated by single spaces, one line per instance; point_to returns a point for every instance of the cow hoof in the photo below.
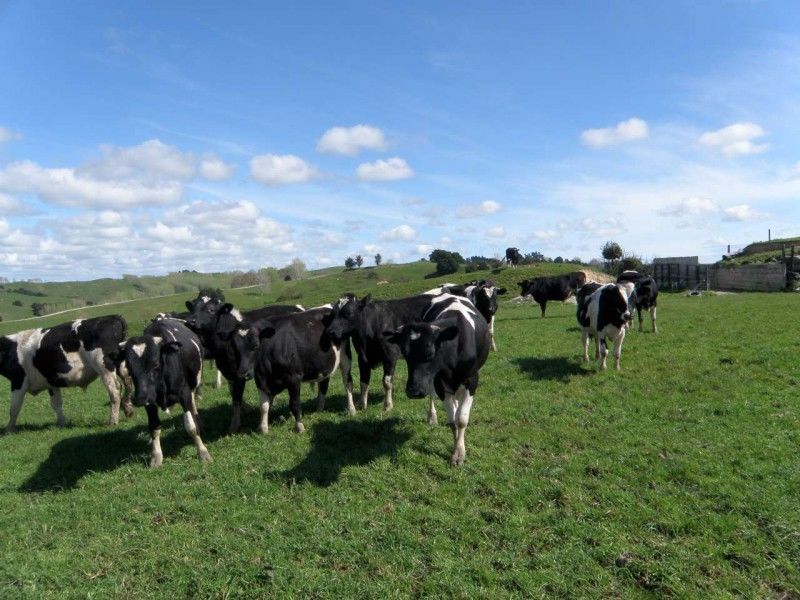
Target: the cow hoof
pixel 388 407
pixel 155 461
pixel 363 405
pixel 432 420
pixel 63 424
pixel 321 405
pixel 298 428
pixel 204 456
pixel 263 429
pixel 351 411
pixel 111 422
pixel 9 430
pixel 457 460
pixel 233 428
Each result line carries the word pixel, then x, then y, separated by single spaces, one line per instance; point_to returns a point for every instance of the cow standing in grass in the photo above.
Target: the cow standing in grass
pixel 483 294
pixel 68 355
pixel 513 257
pixel 557 288
pixel 444 352
pixel 645 296
pixel 605 314
pixel 166 365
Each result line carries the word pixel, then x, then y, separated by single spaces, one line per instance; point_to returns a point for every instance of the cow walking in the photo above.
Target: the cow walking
pixel 68 355
pixel 605 313
pixel 557 288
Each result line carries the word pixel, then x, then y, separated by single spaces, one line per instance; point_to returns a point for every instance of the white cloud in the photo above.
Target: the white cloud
pixel 624 131
pixel 372 248
pixel 496 232
pixel 735 140
pixel 692 206
pixel 214 169
pixel 390 169
pixel 487 207
pixel 152 160
pixel 545 235
pixel 70 188
pixel 6 135
pixel 274 169
pixel 401 232
pixel 423 248
pixel 164 233
pixel 351 140
pixel 12 206
pixel 741 212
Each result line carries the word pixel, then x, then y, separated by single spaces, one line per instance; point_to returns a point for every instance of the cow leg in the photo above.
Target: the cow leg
pixel 265 402
pixel 432 418
pixel 451 406
pixel 543 306
pixel 653 318
pixel 191 429
pixel 639 313
pixel 109 379
pixel 364 373
pixel 585 339
pixel 603 351
pixel 237 396
pixel 618 348
pixel 491 333
pixel 154 425
pixel 294 406
pixel 345 362
pixel 388 377
pixel 127 392
pixel 56 403
pixel 17 396
pixel 322 394
pixel 462 420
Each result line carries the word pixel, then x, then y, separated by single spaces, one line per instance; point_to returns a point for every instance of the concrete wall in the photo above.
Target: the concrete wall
pixel 769 277
pixel 677 260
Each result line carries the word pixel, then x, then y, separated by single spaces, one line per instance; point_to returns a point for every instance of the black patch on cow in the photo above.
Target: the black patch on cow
pixel 613 304
pixel 9 363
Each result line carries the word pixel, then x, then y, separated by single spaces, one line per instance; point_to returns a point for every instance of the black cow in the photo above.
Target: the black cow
pixel 645 296
pixel 293 348
pixel 67 355
pixel 558 288
pixel 225 330
pixel 513 257
pixel 483 294
pixel 365 321
pixel 166 365
pixel 605 313
pixel 444 352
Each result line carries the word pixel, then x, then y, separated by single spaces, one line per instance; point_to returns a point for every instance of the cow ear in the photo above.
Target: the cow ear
pixel 501 291
pixel 117 355
pixel 327 319
pixel 446 332
pixel 394 337
pixel 225 308
pixel 366 300
pixel 266 332
pixel 189 306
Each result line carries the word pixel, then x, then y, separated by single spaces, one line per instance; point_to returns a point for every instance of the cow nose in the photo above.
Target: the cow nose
pixel 414 393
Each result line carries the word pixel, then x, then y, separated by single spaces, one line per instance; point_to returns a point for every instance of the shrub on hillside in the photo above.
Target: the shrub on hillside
pixel 250 278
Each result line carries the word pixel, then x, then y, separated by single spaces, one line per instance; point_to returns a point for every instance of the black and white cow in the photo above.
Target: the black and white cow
pixel 513 256
pixel 225 330
pixel 483 294
pixel 604 313
pixel 364 321
pixel 445 351
pixel 295 348
pixel 68 355
pixel 645 296
pixel 557 288
pixel 166 365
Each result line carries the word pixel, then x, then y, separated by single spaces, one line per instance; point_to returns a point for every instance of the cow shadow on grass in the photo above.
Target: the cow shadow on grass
pixel 75 457
pixel 557 368
pixel 335 446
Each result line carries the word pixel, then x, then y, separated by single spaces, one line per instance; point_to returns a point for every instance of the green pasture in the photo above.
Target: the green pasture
pixel 677 476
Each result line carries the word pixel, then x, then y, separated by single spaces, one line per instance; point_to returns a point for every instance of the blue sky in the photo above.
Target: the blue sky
pixel 150 137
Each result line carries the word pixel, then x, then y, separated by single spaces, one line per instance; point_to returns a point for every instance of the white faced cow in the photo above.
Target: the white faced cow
pixel 483 294
pixel 444 352
pixel 604 312
pixel 68 355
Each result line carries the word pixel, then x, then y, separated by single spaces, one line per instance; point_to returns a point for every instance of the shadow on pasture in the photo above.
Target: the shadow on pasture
pixel 73 458
pixel 335 446
pixel 552 367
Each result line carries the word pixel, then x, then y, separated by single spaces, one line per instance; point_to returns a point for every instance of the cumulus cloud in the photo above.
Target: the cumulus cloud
pixel 214 169
pixel 469 211
pixel 349 141
pixel 741 212
pixel 545 235
pixel 7 135
pixel 496 232
pixel 11 206
pixel 735 140
pixel 399 233
pixel 390 169
pixel 624 131
pixel 165 233
pixel 152 160
pixel 274 169
pixel 423 248
pixel 692 206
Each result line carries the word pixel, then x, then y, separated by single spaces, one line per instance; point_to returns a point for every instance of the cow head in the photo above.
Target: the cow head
pixel 235 341
pixel 421 345
pixel 342 322
pixel 526 287
pixel 484 296
pixel 203 313
pixel 155 368
pixel 621 302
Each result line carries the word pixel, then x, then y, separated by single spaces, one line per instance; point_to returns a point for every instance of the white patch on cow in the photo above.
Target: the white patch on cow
pixel 343 300
pixel 414 335
pixel 138 349
pixel 76 324
pixel 242 332
pixel 199 351
pixel 300 307
pixel 205 299
pixel 437 291
pixel 236 314
pixel 157 339
pixel 465 311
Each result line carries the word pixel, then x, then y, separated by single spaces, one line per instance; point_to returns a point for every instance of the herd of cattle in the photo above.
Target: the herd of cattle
pixel 444 335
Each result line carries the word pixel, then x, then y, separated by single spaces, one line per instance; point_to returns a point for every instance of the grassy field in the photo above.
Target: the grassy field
pixel 678 476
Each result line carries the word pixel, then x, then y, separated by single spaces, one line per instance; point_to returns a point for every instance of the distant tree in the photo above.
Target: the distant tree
pixel 576 260
pixel 359 260
pixel 439 254
pixel 378 259
pixel 558 260
pixel 632 262
pixel 446 262
pixel 534 257
pixel 296 269
pixel 17 303
pixel 38 309
pixel 250 278
pixel 612 251
pixel 349 263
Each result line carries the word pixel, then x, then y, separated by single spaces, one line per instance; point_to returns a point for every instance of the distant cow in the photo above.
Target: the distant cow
pixel 645 296
pixel 558 288
pixel 295 348
pixel 483 294
pixel 68 355
pixel 166 365
pixel 444 352
pixel 604 313
pixel 513 256
pixel 365 321
pixel 225 329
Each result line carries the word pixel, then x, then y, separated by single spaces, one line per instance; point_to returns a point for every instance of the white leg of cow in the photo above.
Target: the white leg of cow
pixel 585 341
pixel 156 456
pixel 127 391
pixel 191 429
pixel 653 318
pixel 491 334
pixel 618 348
pixel 218 377
pixel 388 402
pixel 17 396
pixel 109 379
pixel 364 395
pixel 450 405
pixel 265 402
pixel 56 403
pixel 462 420
pixel 432 419
pixel 603 352
pixel 347 381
